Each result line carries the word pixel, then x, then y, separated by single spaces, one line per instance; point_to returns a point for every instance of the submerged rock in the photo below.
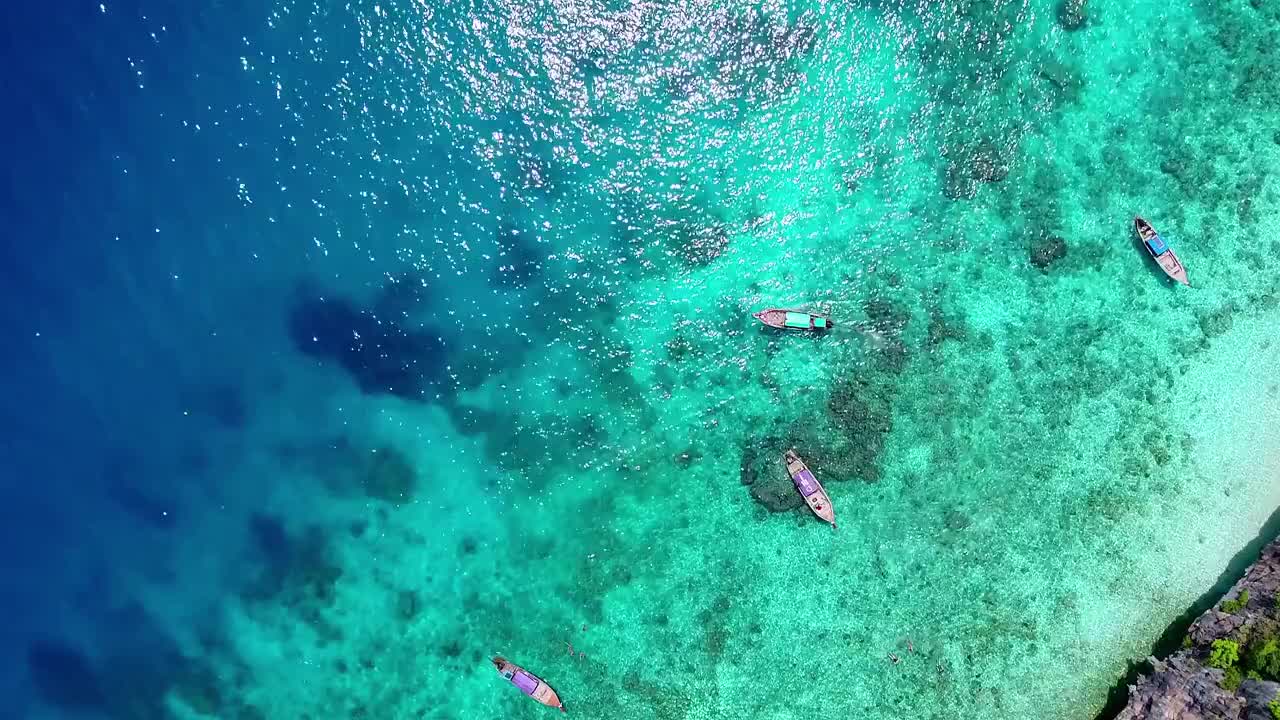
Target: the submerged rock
pixel 987 163
pixel 296 570
pixel 519 261
pixel 1072 14
pixel 698 245
pixel 959 184
pixel 1047 250
pixel 407 604
pixel 127 486
pixel 983 162
pixel 1217 321
pixel 862 412
pixel 390 476
pixel 943 328
pixel 886 316
pixel 200 690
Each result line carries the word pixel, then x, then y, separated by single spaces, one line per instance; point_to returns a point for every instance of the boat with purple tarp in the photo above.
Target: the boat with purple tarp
pixel 1160 251
pixel 793 319
pixel 529 684
pixel 809 487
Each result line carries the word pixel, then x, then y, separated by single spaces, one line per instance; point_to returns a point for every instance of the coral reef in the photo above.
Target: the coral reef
pixel 698 244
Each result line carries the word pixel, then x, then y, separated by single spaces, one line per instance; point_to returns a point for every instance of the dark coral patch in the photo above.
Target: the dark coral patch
pixel 943 328
pixel 380 355
pixel 862 411
pixel 390 476
pixel 762 470
pixel 982 162
pixel 519 260
pixel 1072 14
pixel 1047 250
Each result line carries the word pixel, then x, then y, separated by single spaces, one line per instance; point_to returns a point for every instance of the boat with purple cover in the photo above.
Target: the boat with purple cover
pixel 1160 251
pixel 529 684
pixel 809 487
pixel 793 319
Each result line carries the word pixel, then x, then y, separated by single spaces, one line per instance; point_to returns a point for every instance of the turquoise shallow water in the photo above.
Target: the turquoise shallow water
pixel 451 355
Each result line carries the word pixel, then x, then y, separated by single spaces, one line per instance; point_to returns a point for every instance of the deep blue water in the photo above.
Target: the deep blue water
pixel 116 212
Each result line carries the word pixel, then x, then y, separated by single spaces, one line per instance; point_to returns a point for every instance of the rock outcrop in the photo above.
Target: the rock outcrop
pixel 1227 667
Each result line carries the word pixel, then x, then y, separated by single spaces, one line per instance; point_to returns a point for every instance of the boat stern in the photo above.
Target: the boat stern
pixel 549 697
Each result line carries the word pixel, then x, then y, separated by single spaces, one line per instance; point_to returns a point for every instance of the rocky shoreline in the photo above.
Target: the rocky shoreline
pixel 1228 667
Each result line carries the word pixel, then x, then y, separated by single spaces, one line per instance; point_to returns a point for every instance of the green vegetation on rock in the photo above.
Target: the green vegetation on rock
pixel 1264 657
pixel 1224 654
pixel 1274 707
pixel 1231 678
pixel 1232 607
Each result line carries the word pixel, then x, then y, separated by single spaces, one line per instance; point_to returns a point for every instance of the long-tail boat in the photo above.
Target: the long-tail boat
pixel 810 489
pixel 1160 251
pixel 793 319
pixel 529 684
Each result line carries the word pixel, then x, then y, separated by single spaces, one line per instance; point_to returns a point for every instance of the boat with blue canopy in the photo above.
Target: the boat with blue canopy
pixel 793 319
pixel 1160 251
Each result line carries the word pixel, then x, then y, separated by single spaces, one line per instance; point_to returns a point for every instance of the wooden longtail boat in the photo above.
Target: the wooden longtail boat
pixel 529 684
pixel 810 489
pixel 1160 252
pixel 793 319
